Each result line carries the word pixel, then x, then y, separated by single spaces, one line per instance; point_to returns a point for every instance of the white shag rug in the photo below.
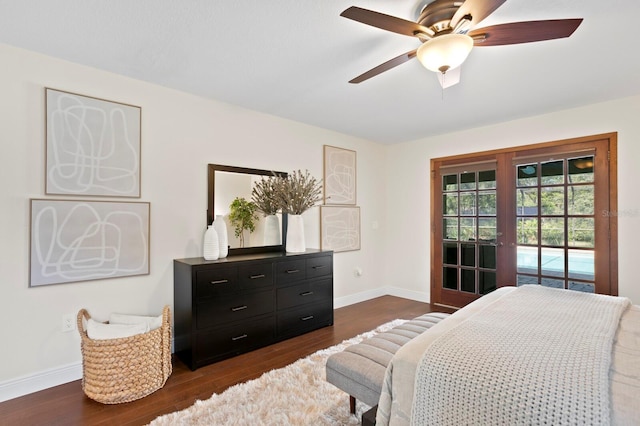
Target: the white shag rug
pixel 297 394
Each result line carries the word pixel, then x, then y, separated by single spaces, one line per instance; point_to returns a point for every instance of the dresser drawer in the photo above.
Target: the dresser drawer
pixel 319 266
pixel 303 293
pixel 231 340
pixel 218 311
pixel 216 281
pixel 255 276
pixel 290 271
pixel 304 318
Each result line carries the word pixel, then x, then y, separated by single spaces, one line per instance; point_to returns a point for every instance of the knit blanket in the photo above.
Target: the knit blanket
pixel 535 356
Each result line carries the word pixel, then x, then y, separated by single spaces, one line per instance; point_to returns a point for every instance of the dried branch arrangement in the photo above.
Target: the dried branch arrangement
pixel 264 195
pixel 297 192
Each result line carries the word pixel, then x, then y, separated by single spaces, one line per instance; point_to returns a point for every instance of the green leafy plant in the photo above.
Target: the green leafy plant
pixel 242 217
pixel 298 192
pixel 264 196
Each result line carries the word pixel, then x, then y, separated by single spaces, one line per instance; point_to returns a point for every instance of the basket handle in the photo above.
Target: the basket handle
pixel 82 313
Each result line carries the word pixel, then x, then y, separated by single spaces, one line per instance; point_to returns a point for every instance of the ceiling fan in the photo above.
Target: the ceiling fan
pixel 446 30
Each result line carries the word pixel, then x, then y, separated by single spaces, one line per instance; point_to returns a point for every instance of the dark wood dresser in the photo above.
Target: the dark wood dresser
pixel 233 305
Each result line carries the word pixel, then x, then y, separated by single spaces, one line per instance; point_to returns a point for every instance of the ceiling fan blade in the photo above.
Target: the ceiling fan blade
pixel 385 22
pixel 524 32
pixel 478 9
pixel 398 60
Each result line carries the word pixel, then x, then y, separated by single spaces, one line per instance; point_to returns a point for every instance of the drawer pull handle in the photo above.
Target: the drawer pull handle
pixel 306 293
pixel 292 271
pixel 239 308
pixel 307 318
pixel 255 277
pixel 220 282
pixel 319 266
pixel 244 336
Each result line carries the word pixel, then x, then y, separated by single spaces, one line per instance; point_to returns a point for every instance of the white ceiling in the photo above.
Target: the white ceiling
pixel 293 58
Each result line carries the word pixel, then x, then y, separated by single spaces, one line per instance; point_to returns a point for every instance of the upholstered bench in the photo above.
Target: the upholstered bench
pixel 359 369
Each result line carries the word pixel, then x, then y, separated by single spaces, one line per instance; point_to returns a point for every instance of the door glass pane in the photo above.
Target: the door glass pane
pixel 487 229
pixel 487 179
pixel 450 228
pixel 581 264
pixel 487 203
pixel 467 204
pixel 584 287
pixel 487 281
pixel 450 204
pixel 552 201
pixel 450 278
pixel 581 169
pixel 450 253
pixel 487 256
pixel 467 229
pixel 527 202
pixel 527 175
pixel 550 282
pixel 552 231
pixel 527 260
pixel 552 173
pixel 468 254
pixel 467 181
pixel 582 232
pixel 526 279
pixel 468 280
pixel 580 200
pixel 552 262
pixel 527 230
pixel 450 183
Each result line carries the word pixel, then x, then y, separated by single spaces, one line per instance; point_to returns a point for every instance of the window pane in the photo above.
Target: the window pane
pixel 550 282
pixel 526 279
pixel 450 228
pixel 527 262
pixel 467 229
pixel 487 179
pixel 450 253
pixel 582 232
pixel 552 231
pixel 468 254
pixel 487 282
pixel 487 229
pixel 467 204
pixel 487 203
pixel 527 230
pixel 450 183
pixel 450 204
pixel 552 262
pixel 584 287
pixel 468 280
pixel 581 169
pixel 552 173
pixel 582 264
pixel 487 256
pixel 527 175
pixel 552 201
pixel 467 181
pixel 580 199
pixel 450 278
pixel 527 202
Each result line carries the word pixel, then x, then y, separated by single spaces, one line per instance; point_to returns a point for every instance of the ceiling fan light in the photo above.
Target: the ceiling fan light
pixel 445 52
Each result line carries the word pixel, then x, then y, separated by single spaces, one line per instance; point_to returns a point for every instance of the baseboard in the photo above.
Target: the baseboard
pixel 24 385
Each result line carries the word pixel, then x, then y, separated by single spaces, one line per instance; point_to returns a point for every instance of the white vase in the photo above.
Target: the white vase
pixel 223 237
pixel 272 230
pixel 211 247
pixel 295 234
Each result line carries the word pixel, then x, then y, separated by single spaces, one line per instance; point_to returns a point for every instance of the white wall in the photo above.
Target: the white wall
pixel 181 133
pixel 408 189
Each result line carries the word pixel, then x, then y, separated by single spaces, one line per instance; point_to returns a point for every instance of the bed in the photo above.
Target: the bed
pixel 610 387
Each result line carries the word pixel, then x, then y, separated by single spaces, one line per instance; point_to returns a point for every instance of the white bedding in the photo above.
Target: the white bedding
pixel 398 388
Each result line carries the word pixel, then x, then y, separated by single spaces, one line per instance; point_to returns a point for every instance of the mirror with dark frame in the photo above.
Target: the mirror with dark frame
pixel 225 184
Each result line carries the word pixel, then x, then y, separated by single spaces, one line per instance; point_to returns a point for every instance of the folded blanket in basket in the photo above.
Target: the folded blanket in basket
pixel 100 331
pixel 153 322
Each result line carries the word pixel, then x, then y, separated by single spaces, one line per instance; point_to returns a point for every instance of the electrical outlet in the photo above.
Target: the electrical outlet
pixel 68 323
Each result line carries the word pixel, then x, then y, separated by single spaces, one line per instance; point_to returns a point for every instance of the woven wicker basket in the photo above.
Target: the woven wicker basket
pixel 125 369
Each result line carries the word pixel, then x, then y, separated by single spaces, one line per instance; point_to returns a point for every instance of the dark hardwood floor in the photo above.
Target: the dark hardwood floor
pixel 67 405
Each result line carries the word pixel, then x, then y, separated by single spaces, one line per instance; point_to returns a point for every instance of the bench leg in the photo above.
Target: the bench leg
pixel 352 404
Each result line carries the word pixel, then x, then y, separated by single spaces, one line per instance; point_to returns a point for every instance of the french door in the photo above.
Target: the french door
pixel 539 214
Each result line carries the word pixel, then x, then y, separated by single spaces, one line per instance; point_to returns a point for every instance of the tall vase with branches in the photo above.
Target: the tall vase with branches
pixel 263 195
